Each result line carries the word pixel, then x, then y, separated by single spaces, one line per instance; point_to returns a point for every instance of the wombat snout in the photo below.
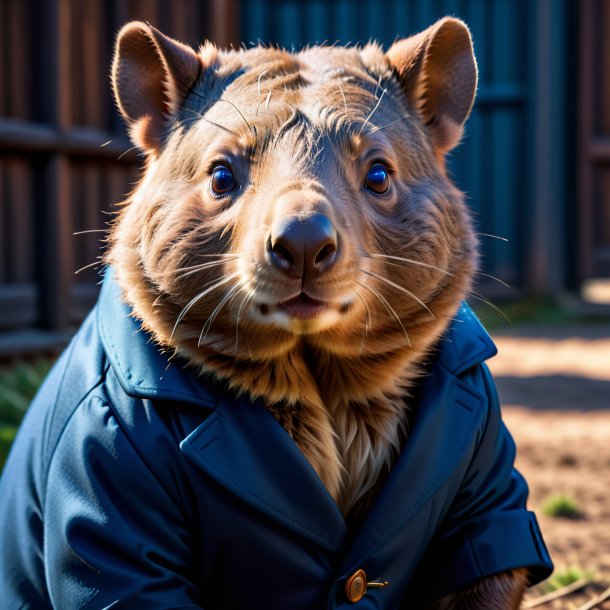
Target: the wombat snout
pixel 303 247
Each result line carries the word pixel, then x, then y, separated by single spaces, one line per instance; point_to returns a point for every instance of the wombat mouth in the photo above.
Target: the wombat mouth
pixel 303 314
pixel 303 306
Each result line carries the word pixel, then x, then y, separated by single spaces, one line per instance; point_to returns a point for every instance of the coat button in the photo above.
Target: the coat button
pixel 355 586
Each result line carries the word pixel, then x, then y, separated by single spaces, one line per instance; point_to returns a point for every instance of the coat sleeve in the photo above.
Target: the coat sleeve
pixel 487 529
pixel 114 536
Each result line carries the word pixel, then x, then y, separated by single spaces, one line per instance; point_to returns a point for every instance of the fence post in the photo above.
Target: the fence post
pixel 55 263
pixel 545 248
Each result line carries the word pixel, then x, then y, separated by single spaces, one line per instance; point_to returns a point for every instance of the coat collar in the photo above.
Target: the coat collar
pixel 143 370
pixel 242 446
pixel 465 343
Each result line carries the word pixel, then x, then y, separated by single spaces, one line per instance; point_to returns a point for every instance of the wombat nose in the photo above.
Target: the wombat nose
pixel 303 246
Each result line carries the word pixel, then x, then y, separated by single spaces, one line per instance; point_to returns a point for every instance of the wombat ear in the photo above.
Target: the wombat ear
pixel 438 72
pixel 151 75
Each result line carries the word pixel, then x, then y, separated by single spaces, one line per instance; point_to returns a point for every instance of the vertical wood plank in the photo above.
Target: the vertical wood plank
pixel 93 202
pixel 4 87
pixel 19 218
pixel 545 250
pixel 585 111
pixel 145 10
pixel 79 96
pixel 178 21
pixel 18 67
pixel 55 229
pixel 603 221
pixel 119 12
pixel 601 129
pixel 3 258
pixel 602 36
pixel 225 30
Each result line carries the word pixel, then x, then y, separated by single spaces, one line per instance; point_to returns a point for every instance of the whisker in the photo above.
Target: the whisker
pixel 493 236
pixel 218 254
pixel 487 302
pixel 199 116
pixel 421 264
pixel 199 268
pixel 410 261
pixel 89 231
pixel 263 101
pixel 258 82
pixel 343 96
pixel 247 298
pixel 388 307
pixel 367 321
pixel 378 85
pixel 126 152
pixel 214 314
pixel 220 99
pixel 379 128
pixel 200 265
pixel 156 301
pixel 493 277
pixel 90 265
pixel 368 118
pixel 398 287
pixel 200 296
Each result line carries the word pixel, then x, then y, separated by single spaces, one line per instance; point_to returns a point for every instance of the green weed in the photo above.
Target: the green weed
pixel 564 577
pixel 18 384
pixel 561 505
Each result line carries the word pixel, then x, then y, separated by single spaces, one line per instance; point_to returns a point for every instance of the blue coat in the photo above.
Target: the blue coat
pixel 132 484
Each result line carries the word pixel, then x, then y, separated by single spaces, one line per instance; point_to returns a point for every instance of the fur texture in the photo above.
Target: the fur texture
pixel 504 592
pixel 299 133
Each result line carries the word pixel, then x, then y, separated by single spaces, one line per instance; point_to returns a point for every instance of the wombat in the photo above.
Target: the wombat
pixel 280 399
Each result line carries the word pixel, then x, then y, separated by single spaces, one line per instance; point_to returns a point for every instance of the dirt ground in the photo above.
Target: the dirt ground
pixel 554 384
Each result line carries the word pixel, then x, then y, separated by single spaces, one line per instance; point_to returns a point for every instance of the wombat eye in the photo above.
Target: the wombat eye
pixel 377 179
pixel 222 181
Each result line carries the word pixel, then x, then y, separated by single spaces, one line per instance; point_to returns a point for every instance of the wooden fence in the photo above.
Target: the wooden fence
pixel 64 158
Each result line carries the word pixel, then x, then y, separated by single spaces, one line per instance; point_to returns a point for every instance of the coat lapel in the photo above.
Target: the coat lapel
pixel 449 413
pixel 442 437
pixel 243 447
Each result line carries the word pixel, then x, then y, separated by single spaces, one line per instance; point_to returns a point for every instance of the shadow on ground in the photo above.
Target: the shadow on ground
pixel 564 392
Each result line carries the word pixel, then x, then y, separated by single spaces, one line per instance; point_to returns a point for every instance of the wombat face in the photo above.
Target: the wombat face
pixel 294 202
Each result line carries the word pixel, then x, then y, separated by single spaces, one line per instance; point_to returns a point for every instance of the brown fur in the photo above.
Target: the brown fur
pixel 300 131
pixel 502 592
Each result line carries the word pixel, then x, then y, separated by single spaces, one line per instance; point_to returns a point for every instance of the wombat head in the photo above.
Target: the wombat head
pixel 295 207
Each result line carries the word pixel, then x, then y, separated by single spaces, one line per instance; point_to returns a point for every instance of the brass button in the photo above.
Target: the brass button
pixel 355 586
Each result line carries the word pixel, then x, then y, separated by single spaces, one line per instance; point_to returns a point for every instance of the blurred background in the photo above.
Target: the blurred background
pixel 534 162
